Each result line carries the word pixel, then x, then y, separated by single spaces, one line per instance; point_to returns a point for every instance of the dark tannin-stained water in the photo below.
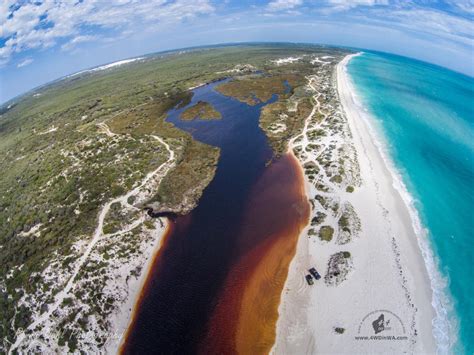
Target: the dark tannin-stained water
pixel 244 319
pixel 192 301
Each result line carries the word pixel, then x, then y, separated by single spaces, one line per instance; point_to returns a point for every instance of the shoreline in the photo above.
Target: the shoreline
pixel 272 270
pixel 444 329
pixel 126 312
pixel 386 263
pixel 252 290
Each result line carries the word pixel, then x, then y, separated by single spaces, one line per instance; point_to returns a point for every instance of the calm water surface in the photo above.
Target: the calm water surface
pixel 201 248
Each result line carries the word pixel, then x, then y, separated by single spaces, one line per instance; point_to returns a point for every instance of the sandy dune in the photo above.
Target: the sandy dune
pixel 387 288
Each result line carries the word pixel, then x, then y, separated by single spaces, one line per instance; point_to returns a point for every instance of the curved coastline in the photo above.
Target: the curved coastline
pixel 389 261
pixel 444 329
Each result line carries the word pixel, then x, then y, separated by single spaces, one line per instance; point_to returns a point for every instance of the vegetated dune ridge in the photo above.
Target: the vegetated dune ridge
pixel 384 273
pixel 245 318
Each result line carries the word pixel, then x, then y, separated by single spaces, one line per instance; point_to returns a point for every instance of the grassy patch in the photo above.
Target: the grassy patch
pixel 255 89
pixel 149 224
pixel 318 219
pixel 202 111
pixel 188 178
pixel 337 179
pixel 326 233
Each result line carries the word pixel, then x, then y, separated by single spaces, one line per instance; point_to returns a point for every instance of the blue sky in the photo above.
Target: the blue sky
pixel 43 40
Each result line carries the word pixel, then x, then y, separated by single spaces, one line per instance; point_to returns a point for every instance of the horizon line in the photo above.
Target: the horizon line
pixel 228 44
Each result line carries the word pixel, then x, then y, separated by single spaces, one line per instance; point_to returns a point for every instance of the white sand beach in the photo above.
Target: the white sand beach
pixel 121 320
pixel 384 285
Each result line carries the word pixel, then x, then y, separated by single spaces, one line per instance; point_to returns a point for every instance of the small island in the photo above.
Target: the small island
pixel 201 110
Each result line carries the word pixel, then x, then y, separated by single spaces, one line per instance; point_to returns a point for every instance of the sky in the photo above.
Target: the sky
pixel 42 40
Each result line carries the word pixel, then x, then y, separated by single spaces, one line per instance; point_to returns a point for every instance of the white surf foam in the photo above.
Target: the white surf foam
pixel 445 323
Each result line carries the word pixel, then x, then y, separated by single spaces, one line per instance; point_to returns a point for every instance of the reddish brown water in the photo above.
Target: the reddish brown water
pixel 222 267
pixel 245 317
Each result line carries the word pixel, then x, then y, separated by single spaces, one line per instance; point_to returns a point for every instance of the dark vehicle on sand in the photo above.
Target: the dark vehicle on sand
pixel 309 280
pixel 315 274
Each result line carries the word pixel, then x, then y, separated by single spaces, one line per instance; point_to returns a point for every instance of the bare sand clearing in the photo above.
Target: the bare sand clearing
pixel 388 275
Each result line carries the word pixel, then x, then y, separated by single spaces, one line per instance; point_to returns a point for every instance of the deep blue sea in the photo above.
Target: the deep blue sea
pixel 425 116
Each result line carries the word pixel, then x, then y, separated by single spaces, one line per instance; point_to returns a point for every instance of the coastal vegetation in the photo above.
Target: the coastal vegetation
pixel 282 119
pixel 202 111
pixel 256 88
pixel 325 151
pixel 326 233
pixel 318 218
pixel 339 266
pixel 348 223
pixel 70 147
pixel 280 122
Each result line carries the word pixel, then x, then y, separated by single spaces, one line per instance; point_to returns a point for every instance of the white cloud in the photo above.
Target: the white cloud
pixel 33 24
pixel 344 5
pixel 283 5
pixel 466 6
pixel 66 24
pixel 354 3
pixel 25 62
pixel 406 16
pixel 76 40
pixel 435 23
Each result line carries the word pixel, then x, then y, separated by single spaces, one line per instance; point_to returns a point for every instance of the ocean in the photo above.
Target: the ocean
pixel 424 115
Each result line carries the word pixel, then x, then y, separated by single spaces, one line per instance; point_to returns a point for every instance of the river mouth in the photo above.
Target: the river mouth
pixel 227 260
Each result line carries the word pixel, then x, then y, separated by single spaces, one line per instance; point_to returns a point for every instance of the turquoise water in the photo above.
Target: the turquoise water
pixel 426 116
